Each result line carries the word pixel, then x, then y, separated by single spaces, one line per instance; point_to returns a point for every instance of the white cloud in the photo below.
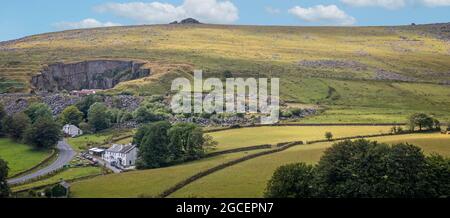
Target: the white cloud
pixel 329 14
pixel 272 10
pixel 436 3
pixel 395 4
pixel 210 11
pixel 86 23
pixel 390 4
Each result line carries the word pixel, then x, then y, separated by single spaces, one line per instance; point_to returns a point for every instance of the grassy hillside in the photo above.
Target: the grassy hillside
pixel 362 73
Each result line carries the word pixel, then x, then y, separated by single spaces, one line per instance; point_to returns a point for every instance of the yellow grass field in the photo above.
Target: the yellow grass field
pixel 245 137
pixel 249 179
pixel 145 183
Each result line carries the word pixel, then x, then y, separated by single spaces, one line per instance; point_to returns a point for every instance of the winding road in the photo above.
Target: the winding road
pixel 65 154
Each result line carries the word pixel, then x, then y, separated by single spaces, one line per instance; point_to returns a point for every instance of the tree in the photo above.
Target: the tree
pixel 71 115
pixel 85 104
pixel 144 115
pixel 38 110
pixel 329 136
pixel 98 117
pixel 16 125
pixel 292 181
pixel 436 124
pixel 44 133
pixel 58 191
pixel 85 127
pixel 439 174
pixel 4 188
pixel 365 169
pixel 153 143
pixel 420 120
pixel 186 141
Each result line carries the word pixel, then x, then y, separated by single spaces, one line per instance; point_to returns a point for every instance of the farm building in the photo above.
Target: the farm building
pixel 123 156
pixel 72 130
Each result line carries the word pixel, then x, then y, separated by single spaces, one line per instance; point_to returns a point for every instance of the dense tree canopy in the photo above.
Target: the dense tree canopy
pixel 161 144
pixel 153 143
pixel 98 117
pixel 86 103
pixel 71 115
pixel 44 133
pixel 364 169
pixel 4 188
pixel 292 181
pixel 186 141
pixel 38 110
pixel 15 125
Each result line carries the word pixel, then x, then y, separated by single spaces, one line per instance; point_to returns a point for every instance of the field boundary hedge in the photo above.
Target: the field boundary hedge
pixel 207 172
pixel 280 147
pixel 68 181
pixel 303 124
pixel 236 150
pixel 53 154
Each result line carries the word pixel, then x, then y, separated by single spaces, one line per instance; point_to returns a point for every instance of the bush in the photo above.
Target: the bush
pixel 329 136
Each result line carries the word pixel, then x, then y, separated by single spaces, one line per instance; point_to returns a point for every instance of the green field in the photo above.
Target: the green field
pixel 69 174
pixel 20 157
pixel 146 183
pixel 246 179
pixel 249 179
pixel 245 137
pixel 99 139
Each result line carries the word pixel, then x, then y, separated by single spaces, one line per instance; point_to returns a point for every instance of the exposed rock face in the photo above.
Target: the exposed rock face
pixel 187 21
pixel 96 74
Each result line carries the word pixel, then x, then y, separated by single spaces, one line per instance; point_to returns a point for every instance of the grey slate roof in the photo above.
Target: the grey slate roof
pixel 117 148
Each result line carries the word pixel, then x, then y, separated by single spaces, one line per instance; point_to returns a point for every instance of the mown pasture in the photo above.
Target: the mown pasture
pixel 68 174
pixel 145 183
pixel 20 157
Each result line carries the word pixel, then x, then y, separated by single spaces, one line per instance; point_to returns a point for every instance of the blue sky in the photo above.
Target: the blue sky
pixel 20 18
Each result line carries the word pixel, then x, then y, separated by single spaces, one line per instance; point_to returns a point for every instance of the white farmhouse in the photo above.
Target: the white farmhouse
pixel 122 156
pixel 72 130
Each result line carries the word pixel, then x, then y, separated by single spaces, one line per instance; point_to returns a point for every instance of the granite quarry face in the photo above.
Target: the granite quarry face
pixel 94 74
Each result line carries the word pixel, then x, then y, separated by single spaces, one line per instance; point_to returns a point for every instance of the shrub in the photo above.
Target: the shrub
pixel 329 136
